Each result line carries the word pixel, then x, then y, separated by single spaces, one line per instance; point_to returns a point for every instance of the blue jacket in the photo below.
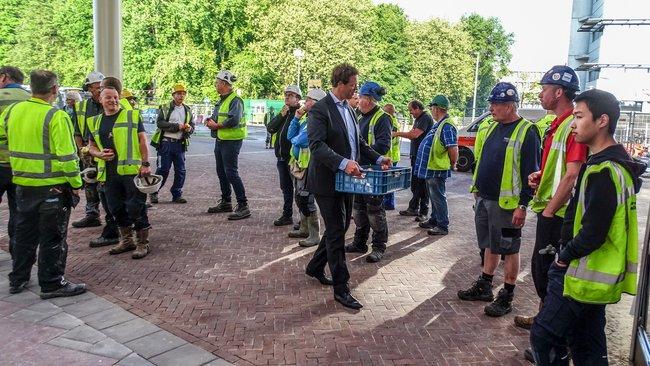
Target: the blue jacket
pixel 297 134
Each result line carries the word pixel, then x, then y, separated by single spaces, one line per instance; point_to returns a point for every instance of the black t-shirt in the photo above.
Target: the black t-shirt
pixel 424 123
pixel 106 136
pixel 490 169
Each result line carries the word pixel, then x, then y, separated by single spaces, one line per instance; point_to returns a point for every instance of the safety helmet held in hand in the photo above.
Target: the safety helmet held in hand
pixel 89 175
pixel 148 184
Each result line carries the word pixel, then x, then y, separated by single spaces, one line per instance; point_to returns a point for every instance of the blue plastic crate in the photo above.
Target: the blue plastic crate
pixel 375 181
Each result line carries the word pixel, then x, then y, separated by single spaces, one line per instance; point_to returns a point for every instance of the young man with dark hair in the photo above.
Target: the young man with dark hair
pixel 335 145
pixel 419 203
pixel 598 259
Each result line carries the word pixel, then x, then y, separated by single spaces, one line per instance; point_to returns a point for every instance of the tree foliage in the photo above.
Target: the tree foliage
pixel 170 41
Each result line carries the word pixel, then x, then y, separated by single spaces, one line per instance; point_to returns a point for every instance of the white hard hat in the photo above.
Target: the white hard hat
pixel 89 175
pixel 316 94
pixel 94 77
pixel 226 76
pixel 71 94
pixel 293 89
pixel 148 184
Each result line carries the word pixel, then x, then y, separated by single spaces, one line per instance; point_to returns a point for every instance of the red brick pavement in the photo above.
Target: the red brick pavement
pixel 238 289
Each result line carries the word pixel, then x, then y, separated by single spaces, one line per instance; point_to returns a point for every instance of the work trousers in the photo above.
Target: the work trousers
pixel 6 185
pixel 420 200
pixel 172 152
pixel 370 214
pixel 226 153
pixel 286 185
pixel 436 187
pixel 126 202
pixel 548 232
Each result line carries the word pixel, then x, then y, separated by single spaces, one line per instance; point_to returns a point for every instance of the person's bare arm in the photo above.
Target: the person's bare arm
pixel 411 135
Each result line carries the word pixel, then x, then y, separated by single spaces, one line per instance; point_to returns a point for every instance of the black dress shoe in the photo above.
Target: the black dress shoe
pixel 408 212
pixel 179 200
pixel 324 280
pixel 16 289
pixel 69 289
pixel 427 224
pixel 347 300
pixel 283 220
pixel 353 248
pixel 87 222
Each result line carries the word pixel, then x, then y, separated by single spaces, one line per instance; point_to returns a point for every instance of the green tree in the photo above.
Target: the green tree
pixel 492 42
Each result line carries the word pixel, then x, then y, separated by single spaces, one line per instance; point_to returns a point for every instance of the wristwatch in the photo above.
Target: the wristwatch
pixel 146 164
pixel 522 207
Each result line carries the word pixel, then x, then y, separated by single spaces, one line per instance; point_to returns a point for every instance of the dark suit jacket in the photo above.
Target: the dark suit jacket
pixel 329 145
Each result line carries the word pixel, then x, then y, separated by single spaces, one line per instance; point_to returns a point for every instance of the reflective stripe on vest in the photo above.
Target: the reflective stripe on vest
pixel 438 155
pixel 81 117
pixel 238 132
pixel 371 125
pixel 130 165
pixel 511 177
pixel 601 276
pixel 46 157
pixel 395 142
pixel 554 169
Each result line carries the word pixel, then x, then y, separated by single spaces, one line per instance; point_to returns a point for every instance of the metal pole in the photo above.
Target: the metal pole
pixel 299 71
pixel 107 29
pixel 478 56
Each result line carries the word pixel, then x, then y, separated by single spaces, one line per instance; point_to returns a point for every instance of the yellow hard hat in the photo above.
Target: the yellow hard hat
pixel 126 94
pixel 178 88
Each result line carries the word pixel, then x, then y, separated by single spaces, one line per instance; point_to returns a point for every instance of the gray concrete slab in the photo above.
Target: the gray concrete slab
pixel 24 298
pixel 62 320
pixel 154 344
pixel 219 362
pixel 84 333
pixel 70 344
pixel 134 360
pixel 108 318
pixel 84 308
pixel 64 301
pixel 130 330
pixel 186 355
pixel 110 348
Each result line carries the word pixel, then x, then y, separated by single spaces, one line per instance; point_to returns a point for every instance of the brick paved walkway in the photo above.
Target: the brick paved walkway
pixel 238 289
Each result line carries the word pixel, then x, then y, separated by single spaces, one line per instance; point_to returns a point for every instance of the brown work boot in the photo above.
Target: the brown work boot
pixel 142 249
pixel 126 241
pixel 525 322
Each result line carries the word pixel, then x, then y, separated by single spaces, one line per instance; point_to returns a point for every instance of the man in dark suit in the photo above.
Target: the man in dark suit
pixel 335 145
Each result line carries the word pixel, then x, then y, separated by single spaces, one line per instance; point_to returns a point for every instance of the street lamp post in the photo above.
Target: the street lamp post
pixel 298 54
pixel 478 57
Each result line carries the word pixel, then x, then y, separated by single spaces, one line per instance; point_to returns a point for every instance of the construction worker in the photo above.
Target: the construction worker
pixel 335 144
pixel 389 199
pixel 376 127
pixel 544 123
pixel 11 91
pixel 562 158
pixel 130 98
pixel 268 117
pixel 437 156
pixel 229 130
pixel 171 139
pixel 597 261
pixel 85 110
pixel 119 143
pixel 46 174
pixel 309 227
pixel 72 97
pixel 419 203
pixel 509 154
pixel 278 128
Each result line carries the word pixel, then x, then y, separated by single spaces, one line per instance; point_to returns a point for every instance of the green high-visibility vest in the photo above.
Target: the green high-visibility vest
pixel 371 126
pixel 395 141
pixel 438 155
pixel 41 144
pixel 238 132
pixel 543 124
pixel 601 276
pixel 9 96
pixel 304 154
pixel 511 176
pixel 124 103
pixel 481 135
pixel 554 169
pixel 166 110
pixel 126 141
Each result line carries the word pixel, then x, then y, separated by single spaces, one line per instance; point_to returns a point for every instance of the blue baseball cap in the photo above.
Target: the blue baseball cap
pixel 563 76
pixel 503 93
pixel 373 90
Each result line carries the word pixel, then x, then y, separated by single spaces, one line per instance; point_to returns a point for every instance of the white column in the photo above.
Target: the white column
pixel 107 29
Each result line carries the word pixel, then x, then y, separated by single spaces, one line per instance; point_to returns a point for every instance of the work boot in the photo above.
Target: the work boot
pixel 126 241
pixel 153 198
pixel 296 227
pixel 314 231
pixel 87 222
pixel 241 212
pixel 179 200
pixel 420 218
pixel 375 256
pixel 68 289
pixel 18 288
pixel 356 248
pixel 481 290
pixel 142 245
pixel 428 224
pixel 502 305
pixel 525 322
pixel 302 231
pixel 102 242
pixel 437 231
pixel 283 220
pixel 408 212
pixel 222 206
